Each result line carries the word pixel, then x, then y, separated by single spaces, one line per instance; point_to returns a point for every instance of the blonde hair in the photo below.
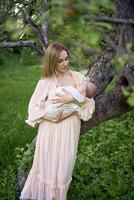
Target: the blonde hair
pixel 51 59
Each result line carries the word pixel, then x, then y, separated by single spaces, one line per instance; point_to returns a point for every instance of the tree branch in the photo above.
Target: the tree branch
pixel 34 27
pixel 44 27
pixel 28 43
pixel 109 19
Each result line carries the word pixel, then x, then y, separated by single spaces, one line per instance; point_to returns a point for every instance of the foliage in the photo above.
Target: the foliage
pixel 79 34
pixel 24 57
pixel 8 189
pixel 129 96
pixel 104 167
pixel 67 24
pixel 24 157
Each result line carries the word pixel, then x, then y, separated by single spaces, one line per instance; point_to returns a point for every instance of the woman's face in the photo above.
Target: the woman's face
pixel 63 62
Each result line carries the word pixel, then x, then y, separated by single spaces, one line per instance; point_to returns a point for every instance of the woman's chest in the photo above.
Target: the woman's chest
pixel 60 83
pixel 66 81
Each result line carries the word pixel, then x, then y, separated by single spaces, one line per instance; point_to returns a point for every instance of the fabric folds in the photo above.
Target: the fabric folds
pixel 56 144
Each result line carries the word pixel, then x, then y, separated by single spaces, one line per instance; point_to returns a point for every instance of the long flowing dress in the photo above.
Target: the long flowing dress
pixel 56 147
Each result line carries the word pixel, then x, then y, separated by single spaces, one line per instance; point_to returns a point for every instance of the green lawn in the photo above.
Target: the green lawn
pixel 16 86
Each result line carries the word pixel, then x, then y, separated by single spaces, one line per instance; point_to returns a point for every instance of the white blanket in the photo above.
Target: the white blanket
pixel 57 111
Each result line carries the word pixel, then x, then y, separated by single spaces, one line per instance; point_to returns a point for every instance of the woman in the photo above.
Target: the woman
pixel 56 144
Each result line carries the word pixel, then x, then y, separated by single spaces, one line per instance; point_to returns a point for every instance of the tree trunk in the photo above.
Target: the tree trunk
pixel 113 104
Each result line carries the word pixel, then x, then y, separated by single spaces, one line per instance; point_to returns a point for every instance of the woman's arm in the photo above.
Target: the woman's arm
pixel 66 98
pixel 37 103
pixel 63 98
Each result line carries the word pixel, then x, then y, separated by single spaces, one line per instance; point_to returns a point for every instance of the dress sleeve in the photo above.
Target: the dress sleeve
pixel 36 105
pixel 86 111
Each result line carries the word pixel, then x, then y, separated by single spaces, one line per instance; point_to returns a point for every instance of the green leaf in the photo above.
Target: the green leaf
pixel 105 25
pixel 125 92
pixel 130 100
pixel 129 46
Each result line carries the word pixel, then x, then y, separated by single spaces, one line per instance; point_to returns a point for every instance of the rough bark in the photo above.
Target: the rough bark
pixel 44 27
pixel 125 33
pixel 40 32
pixel 108 106
pixel 101 73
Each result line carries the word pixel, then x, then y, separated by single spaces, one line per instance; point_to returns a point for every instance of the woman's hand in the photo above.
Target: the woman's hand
pixel 64 98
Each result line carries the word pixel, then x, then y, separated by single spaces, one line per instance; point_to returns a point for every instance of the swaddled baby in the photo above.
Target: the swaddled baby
pixel 58 111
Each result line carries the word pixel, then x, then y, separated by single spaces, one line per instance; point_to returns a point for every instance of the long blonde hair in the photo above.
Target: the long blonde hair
pixel 51 59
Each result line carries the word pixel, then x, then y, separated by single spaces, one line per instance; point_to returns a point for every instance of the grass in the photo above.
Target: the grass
pixel 16 88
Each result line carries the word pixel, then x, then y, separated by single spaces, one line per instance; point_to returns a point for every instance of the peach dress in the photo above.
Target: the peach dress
pixel 56 147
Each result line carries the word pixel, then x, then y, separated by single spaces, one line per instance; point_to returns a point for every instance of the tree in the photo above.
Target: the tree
pixel 117 42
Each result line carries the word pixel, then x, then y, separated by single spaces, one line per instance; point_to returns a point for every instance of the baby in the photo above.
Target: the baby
pixel 58 111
